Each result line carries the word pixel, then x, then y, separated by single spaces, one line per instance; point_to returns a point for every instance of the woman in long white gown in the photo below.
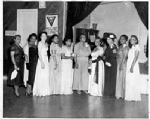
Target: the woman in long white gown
pixel 67 70
pixel 132 85
pixel 96 79
pixel 41 85
pixel 55 66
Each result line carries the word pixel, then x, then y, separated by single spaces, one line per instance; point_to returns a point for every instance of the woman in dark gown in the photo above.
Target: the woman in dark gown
pixel 31 66
pixel 17 63
pixel 110 67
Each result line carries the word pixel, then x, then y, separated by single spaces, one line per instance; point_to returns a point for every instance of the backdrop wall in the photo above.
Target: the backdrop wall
pixel 120 18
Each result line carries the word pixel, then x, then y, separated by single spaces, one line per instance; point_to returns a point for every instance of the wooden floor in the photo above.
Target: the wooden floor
pixel 73 106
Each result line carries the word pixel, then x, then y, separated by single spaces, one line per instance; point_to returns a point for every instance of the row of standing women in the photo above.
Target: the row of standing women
pixel 114 71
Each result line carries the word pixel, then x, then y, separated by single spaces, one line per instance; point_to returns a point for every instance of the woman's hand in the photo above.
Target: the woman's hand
pixel 55 67
pixel 86 44
pixel 131 69
pixel 104 57
pixel 90 62
pixel 16 68
pixel 71 57
pixel 114 51
pixel 108 64
pixel 76 66
pixel 121 67
pixel 42 65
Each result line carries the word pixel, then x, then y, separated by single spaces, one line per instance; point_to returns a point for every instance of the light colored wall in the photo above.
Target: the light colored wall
pixel 120 18
pixel 81 25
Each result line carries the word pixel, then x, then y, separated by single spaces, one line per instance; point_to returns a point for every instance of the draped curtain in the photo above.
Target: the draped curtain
pixel 142 9
pixel 76 12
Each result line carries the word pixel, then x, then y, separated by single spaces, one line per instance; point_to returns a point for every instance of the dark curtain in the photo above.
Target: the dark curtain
pixel 76 12
pixel 142 9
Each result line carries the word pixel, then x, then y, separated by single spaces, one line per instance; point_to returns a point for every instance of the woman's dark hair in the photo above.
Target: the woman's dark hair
pixel 98 39
pixel 53 36
pixel 31 35
pixel 125 37
pixel 101 42
pixel 104 39
pixel 82 34
pixel 40 34
pixel 135 38
pixel 130 45
pixel 17 36
pixel 66 39
pixel 105 35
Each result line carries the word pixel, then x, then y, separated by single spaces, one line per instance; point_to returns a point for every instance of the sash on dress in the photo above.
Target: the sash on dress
pixel 96 68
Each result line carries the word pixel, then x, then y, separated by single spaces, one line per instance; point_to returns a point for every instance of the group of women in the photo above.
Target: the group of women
pixel 114 70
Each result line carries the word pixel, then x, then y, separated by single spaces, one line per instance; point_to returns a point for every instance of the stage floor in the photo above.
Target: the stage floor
pixel 71 106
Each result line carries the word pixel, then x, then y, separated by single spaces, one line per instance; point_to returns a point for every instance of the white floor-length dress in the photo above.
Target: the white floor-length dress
pixel 132 85
pixel 67 72
pixel 41 85
pixel 94 88
pixel 55 74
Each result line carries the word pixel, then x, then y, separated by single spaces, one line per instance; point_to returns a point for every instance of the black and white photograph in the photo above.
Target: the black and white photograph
pixel 75 59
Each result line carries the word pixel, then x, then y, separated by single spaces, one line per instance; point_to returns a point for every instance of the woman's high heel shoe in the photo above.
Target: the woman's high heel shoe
pixel 27 94
pixel 17 95
pixel 79 92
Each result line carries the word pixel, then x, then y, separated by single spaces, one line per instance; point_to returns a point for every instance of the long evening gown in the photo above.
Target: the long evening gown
pixel 67 72
pixel 97 88
pixel 41 85
pixel 122 54
pixel 33 58
pixel 110 72
pixel 132 85
pixel 19 59
pixel 81 75
pixel 26 72
pixel 55 74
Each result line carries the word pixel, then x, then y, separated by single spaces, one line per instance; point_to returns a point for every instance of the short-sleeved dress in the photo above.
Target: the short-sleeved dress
pixel 55 74
pixel 132 85
pixel 19 59
pixel 67 72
